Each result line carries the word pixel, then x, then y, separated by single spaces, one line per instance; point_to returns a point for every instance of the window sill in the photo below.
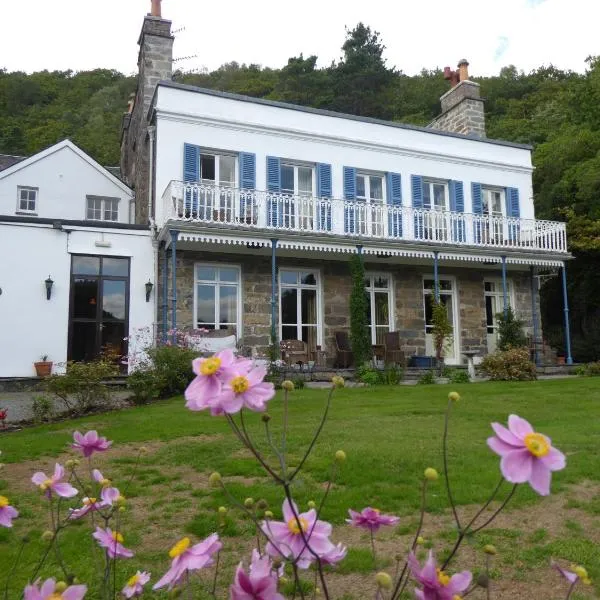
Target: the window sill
pixel 29 213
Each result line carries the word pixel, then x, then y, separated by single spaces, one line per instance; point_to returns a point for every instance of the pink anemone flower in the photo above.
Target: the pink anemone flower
pixel 287 538
pixel 436 584
pixel 259 584
pixel 577 573
pixel 89 505
pixel 211 373
pixel 370 518
pixel 335 555
pixel 113 542
pixel 109 494
pixel 244 389
pixel 189 558
pixel 54 484
pixel 7 512
pixel 526 455
pixel 89 443
pixel 135 584
pixel 47 591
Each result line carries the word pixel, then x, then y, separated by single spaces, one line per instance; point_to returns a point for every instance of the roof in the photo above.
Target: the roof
pixel 77 150
pixel 8 160
pixel 327 113
pixel 59 223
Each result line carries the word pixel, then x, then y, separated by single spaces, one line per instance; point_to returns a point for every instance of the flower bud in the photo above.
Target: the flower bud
pixel 454 396
pixel 266 417
pixel 384 580
pixel 312 504
pixel 70 464
pixel 276 563
pixel 176 592
pixel 483 580
pixel 340 456
pixel 317 591
pixel 268 514
pixel 490 549
pixel 122 509
pixel 215 479
pixel 143 450
pixel 60 587
pixel 283 580
pixel 431 474
pixel 262 504
pixel 420 540
pixel 249 502
pixel 337 381
pixel 222 510
pixel 47 535
pixel 25 539
pixel 288 385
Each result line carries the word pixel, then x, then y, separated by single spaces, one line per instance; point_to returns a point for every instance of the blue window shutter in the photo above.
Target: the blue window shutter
pixel 324 190
pixel 247 162
pixel 349 194
pixel 273 186
pixel 394 199
pixel 477 204
pixel 191 172
pixel 457 205
pixel 513 208
pixel 416 188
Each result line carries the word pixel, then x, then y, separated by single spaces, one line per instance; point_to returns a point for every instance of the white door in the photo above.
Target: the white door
pixel 447 291
pixel 370 206
pixel 494 304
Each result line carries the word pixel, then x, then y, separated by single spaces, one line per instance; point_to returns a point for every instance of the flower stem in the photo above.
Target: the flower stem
pixel 214 585
pixel 446 475
pixel 14 568
pixel 571 589
pixel 373 546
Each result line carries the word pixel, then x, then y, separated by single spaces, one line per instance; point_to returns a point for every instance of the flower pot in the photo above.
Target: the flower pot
pixel 560 360
pixel 43 368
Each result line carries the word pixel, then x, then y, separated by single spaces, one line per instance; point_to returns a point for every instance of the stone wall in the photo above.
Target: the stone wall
pixel 336 288
pixel 462 110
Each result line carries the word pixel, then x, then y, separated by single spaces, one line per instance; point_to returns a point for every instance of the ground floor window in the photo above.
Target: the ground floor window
pixel 217 301
pixel 447 292
pixel 494 304
pixel 380 310
pixel 299 306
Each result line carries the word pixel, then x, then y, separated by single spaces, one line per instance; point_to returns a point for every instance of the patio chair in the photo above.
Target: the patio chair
pixel 293 352
pixel 393 355
pixel 343 350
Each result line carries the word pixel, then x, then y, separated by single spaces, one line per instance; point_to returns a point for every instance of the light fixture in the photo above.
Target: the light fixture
pixel 49 283
pixel 149 287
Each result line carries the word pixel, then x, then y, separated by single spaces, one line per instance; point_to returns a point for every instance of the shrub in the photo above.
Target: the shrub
pixel 510 331
pixel 298 382
pixel 427 378
pixel 145 386
pixel 591 369
pixel 173 368
pixel 441 330
pixel 369 375
pixel 458 376
pixel 360 339
pixel 509 365
pixel 42 408
pixel 392 375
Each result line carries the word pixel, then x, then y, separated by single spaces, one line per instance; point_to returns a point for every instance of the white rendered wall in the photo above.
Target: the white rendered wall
pixel 63 179
pixel 30 325
pixel 237 126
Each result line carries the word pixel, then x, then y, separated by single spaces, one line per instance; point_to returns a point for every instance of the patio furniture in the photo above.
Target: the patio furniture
pixel 293 352
pixel 213 341
pixel 343 350
pixel 393 355
pixel 378 353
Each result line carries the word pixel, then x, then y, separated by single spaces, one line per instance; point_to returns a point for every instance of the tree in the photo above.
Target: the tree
pixel 441 330
pixel 360 339
pixel 510 331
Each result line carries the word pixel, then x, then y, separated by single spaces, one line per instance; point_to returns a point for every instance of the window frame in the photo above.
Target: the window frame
pixel 371 289
pixel 431 182
pixel 217 181
pixel 28 188
pixel 103 202
pixel 367 199
pixel 298 165
pixel 490 188
pixel 497 281
pixel 217 306
pixel 299 286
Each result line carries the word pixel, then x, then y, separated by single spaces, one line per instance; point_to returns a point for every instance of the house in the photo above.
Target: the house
pixel 74 265
pixel 257 206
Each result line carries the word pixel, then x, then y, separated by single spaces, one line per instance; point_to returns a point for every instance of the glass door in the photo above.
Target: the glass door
pixel 99 307
pixel 297 183
pixel 494 304
pixel 217 175
pixel 437 201
pixel 447 293
pixel 369 198
pixel 493 209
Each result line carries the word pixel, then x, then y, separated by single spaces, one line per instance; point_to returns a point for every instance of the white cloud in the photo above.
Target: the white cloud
pixel 86 34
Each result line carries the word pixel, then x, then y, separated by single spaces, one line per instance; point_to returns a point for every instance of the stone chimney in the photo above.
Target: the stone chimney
pixel 155 63
pixel 462 105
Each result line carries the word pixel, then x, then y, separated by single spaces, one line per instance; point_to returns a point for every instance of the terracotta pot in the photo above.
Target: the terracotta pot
pixel 560 360
pixel 43 368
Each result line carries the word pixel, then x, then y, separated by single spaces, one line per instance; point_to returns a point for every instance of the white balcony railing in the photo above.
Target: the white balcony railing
pixel 253 209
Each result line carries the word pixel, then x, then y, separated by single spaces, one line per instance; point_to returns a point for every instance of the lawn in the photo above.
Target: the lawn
pixel 389 435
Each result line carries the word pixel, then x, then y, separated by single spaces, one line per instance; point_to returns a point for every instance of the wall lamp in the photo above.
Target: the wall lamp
pixel 149 287
pixel 49 283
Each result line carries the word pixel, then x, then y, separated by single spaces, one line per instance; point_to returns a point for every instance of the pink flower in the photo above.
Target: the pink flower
pixel 89 443
pixel 48 591
pixel 244 389
pixel 54 483
pixel 113 542
pixel 370 518
pixel 526 455
pixel 578 573
pixel 211 373
pixel 335 555
pixel 108 494
pixel 189 558
pixel 287 537
pixel 135 585
pixel 436 584
pixel 89 505
pixel 260 584
pixel 7 512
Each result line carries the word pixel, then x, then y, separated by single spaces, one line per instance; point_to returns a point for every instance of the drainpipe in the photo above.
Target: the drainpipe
pixel 566 311
pixel 436 277
pixel 534 317
pixel 504 287
pixel 151 135
pixel 174 235
pixel 165 294
pixel 273 291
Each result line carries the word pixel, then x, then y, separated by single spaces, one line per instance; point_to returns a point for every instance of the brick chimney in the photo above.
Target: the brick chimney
pixel 462 105
pixel 155 63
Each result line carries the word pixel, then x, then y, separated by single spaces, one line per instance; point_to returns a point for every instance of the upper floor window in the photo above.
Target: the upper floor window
pixel 493 202
pixel 100 208
pixel 27 199
pixel 369 188
pixel 435 195
pixel 217 169
pixel 297 180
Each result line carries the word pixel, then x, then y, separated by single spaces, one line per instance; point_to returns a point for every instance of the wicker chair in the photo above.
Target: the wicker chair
pixel 343 350
pixel 294 351
pixel 393 355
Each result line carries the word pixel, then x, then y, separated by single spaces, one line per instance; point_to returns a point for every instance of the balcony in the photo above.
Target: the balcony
pixel 231 208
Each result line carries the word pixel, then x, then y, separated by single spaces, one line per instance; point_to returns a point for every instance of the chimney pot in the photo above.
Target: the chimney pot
pixel 463 70
pixel 155 10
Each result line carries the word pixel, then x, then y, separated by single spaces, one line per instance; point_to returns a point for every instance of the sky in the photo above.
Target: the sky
pixel 88 34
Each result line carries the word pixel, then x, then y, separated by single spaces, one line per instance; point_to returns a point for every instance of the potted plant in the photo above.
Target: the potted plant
pixel 441 331
pixel 43 368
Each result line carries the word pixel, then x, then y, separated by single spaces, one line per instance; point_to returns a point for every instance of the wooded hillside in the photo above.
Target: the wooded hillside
pixel 556 111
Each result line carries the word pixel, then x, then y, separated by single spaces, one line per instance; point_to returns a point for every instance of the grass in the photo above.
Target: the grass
pixel 390 435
